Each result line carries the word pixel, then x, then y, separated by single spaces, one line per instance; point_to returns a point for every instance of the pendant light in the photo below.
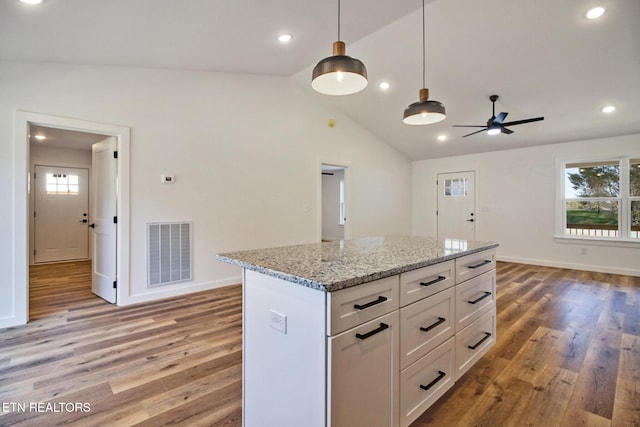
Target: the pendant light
pixel 425 111
pixel 339 74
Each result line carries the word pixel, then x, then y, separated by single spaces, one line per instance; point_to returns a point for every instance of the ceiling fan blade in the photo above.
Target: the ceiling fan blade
pixel 500 118
pixel 473 133
pixel 468 126
pixel 520 122
pixel 505 130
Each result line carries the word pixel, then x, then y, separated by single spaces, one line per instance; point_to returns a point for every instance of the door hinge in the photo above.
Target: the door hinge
pixel 115 284
pixel 115 154
pixel 115 219
pixel 34 252
pixel 436 212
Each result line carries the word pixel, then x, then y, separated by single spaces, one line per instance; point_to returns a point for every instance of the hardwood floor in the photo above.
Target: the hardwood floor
pixel 567 354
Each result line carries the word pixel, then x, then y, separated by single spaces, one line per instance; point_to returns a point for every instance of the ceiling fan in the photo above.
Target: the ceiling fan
pixel 496 124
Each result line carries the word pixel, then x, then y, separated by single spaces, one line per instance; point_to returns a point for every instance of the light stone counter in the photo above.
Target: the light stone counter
pixel 331 266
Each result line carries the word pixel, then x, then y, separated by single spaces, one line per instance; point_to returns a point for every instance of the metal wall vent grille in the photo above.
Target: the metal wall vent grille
pixel 168 253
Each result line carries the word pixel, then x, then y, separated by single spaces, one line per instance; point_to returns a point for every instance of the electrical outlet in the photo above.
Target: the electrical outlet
pixel 278 321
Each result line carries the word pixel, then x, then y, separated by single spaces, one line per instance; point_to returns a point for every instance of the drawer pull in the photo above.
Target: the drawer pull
pixel 475 301
pixel 380 299
pixel 382 327
pixel 440 376
pixel 434 281
pixel 430 327
pixel 486 337
pixel 486 261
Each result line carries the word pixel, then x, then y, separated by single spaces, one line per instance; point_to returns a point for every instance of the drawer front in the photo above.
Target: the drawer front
pixel 422 383
pixel 473 265
pixel 353 306
pixel 474 297
pixel 474 341
pixel 426 324
pixel 423 282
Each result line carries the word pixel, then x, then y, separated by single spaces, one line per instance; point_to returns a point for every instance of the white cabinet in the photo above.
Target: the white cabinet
pixel 377 354
pixel 363 374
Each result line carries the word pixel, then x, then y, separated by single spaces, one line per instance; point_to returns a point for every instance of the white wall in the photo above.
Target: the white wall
pixel 245 152
pixel 516 203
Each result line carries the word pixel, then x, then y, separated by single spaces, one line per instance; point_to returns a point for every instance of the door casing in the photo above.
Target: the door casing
pixel 22 122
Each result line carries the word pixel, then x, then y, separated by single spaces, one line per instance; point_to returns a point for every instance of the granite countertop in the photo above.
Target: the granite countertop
pixel 331 266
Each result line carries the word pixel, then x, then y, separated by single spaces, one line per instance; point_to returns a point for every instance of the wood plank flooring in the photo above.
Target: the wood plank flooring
pixel 567 354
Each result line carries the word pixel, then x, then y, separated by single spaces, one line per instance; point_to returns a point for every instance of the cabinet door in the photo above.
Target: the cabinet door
pixel 474 297
pixel 363 380
pixel 474 341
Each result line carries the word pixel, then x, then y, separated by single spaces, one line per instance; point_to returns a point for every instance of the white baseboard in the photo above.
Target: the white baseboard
pixel 154 294
pixel 572 266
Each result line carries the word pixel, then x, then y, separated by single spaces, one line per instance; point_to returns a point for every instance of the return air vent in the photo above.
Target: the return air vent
pixel 168 252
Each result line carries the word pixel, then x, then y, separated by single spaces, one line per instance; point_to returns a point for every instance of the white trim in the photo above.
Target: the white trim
pixel 572 266
pixel 598 241
pixel 22 121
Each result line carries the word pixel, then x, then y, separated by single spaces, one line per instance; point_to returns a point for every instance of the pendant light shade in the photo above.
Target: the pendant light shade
pixel 425 111
pixel 339 74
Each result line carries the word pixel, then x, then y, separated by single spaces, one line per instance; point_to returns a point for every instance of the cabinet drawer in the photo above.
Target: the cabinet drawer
pixel 422 383
pixel 426 324
pixel 420 283
pixel 474 341
pixel 363 375
pixel 474 297
pixel 353 306
pixel 473 265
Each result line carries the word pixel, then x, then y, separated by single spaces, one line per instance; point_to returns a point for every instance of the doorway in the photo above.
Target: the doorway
pixel 333 202
pixel 456 200
pixel 24 124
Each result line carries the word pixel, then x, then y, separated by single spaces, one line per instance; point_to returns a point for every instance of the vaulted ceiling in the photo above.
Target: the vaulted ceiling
pixel 543 57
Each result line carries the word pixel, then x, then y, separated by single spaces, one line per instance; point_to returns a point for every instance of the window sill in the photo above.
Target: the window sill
pixel 598 241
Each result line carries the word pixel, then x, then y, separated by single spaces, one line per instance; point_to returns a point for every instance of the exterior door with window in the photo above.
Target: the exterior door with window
pixel 456 205
pixel 60 211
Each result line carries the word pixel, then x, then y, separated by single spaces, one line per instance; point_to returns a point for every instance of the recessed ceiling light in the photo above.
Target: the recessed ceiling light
pixel 596 12
pixel 31 1
pixel 609 109
pixel 40 137
pixel 442 137
pixel 285 38
pixel 384 85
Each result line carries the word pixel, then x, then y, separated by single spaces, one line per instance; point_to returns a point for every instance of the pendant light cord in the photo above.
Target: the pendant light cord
pixel 424 48
pixel 339 20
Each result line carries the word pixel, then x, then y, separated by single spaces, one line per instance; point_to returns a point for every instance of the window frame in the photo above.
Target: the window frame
pixel 624 200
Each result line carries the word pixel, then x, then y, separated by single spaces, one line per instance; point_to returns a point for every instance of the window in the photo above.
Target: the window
pixel 62 184
pixel 455 187
pixel 602 199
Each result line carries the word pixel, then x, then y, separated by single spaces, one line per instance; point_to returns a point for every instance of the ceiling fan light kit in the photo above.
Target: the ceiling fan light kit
pixel 425 111
pixel 339 74
pixel 496 124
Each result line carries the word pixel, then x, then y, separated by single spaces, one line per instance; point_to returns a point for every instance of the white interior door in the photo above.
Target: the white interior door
pixel 456 205
pixel 103 219
pixel 61 208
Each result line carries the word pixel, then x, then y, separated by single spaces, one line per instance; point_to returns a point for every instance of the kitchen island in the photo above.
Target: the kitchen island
pixel 363 332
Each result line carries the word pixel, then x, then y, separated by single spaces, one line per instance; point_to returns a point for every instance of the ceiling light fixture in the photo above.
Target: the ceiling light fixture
pixel 339 74
pixel 40 137
pixel 442 137
pixel 609 109
pixel 425 111
pixel 285 38
pixel 384 85
pixel 31 1
pixel 595 13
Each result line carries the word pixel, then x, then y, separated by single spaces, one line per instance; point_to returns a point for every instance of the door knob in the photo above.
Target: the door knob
pixel 470 220
pixel 92 226
pixel 83 221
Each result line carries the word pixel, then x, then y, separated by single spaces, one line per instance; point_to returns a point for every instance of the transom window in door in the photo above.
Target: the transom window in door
pixel 456 187
pixel 62 184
